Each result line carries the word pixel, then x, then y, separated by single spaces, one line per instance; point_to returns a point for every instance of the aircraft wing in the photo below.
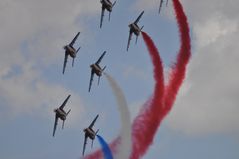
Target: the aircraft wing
pixel 73 41
pixel 137 20
pixel 64 103
pixel 102 15
pixel 93 122
pixel 65 61
pixel 85 142
pixel 55 124
pixel 130 36
pixel 113 4
pixel 160 5
pixel 101 57
pixel 91 79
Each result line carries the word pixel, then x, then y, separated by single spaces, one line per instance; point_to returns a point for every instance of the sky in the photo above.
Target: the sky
pixel 204 120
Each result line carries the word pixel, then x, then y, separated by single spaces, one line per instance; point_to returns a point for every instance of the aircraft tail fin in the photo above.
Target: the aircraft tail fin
pixel 63 124
pixel 137 36
pixel 136 39
pixel 68 112
pixel 113 3
pixel 78 49
pixel 92 143
pixel 73 61
pixel 98 80
pixel 141 28
pixel 96 132
pixel 103 69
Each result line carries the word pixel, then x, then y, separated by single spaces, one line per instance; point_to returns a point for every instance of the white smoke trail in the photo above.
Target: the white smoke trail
pixel 124 149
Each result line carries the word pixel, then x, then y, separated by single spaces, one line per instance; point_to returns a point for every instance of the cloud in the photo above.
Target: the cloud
pixel 32 35
pixel 213 29
pixel 26 92
pixel 146 5
pixel 208 100
pixel 134 72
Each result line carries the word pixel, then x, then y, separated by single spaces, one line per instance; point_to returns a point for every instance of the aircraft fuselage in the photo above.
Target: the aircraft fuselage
pixel 135 29
pixel 70 51
pixel 97 69
pixel 107 5
pixel 90 133
pixel 60 113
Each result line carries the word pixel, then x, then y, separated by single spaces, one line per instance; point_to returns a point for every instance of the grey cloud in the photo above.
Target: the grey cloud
pixel 32 34
pixel 208 100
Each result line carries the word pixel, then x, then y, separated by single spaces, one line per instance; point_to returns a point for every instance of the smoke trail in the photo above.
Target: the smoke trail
pixel 146 123
pixel 176 78
pixel 124 150
pixel 125 142
pixel 177 75
pixel 178 71
pixel 98 153
pixel 105 148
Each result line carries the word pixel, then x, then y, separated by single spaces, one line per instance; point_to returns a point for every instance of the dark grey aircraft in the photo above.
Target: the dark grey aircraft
pixel 89 132
pixel 161 4
pixel 96 69
pixel 134 28
pixel 70 50
pixel 60 113
pixel 106 4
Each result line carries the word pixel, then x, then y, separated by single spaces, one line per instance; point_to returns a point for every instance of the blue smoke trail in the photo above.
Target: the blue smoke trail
pixel 105 148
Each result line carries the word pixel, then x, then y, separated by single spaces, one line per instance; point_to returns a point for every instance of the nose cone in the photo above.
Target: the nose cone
pixel 84 130
pixel 55 110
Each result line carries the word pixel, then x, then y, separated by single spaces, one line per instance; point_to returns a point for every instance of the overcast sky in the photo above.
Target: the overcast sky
pixel 204 120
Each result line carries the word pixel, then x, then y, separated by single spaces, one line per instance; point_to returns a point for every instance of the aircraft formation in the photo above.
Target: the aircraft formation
pixel 96 69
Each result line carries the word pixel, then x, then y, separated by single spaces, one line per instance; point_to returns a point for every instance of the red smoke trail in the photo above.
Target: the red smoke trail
pixel 146 123
pixel 158 109
pixel 178 71
pixel 141 140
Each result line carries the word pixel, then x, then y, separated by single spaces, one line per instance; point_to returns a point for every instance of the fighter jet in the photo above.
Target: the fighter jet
pixel 106 4
pixel 60 113
pixel 134 28
pixel 96 69
pixel 89 132
pixel 161 4
pixel 70 50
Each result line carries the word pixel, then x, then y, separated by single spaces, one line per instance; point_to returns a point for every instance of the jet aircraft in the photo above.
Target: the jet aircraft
pixel 161 4
pixel 134 28
pixel 60 113
pixel 96 69
pixel 89 132
pixel 106 4
pixel 70 50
